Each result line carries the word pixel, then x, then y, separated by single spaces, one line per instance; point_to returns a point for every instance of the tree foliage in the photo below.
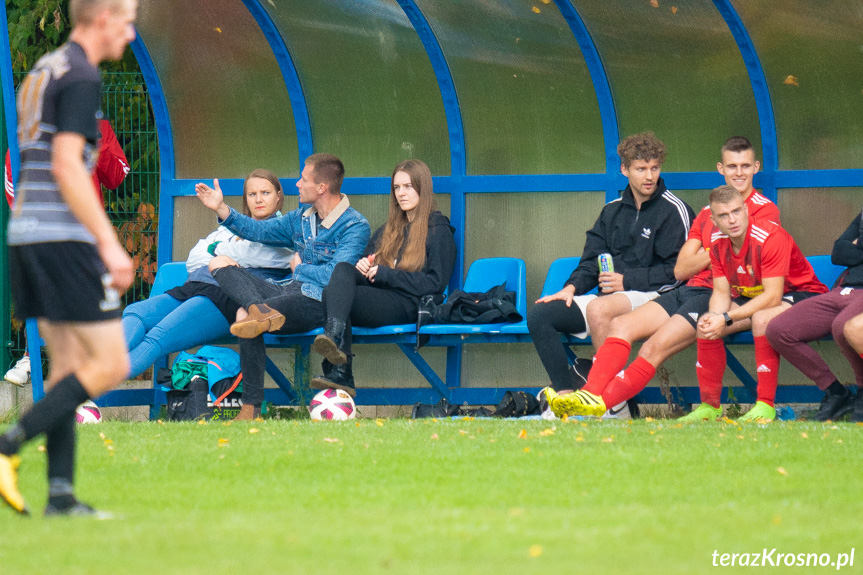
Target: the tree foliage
pixel 39 26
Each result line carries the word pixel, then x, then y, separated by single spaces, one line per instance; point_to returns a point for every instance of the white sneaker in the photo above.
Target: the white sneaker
pixel 20 374
pixel 545 409
pixel 619 411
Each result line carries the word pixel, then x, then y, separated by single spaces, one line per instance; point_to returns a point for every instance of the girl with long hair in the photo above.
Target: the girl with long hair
pixel 410 256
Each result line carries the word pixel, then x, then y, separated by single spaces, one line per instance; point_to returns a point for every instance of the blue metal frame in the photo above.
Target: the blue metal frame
pixel 769 143
pixel 604 97
pixel 458 158
pixel 458 183
pixel 291 77
pixel 9 113
pixel 167 167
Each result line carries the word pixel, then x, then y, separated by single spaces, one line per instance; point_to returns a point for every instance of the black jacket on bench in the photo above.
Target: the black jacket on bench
pixel 847 253
pixel 433 278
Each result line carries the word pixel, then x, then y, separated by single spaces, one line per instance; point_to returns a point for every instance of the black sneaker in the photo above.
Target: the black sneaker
pixel 857 414
pixel 77 509
pixel 581 367
pixel 834 406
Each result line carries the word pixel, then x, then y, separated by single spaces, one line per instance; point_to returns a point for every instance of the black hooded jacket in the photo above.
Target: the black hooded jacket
pixel 847 253
pixel 433 278
pixel 643 243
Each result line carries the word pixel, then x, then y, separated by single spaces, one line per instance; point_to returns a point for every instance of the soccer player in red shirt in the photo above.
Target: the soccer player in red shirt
pixel 758 272
pixel 670 320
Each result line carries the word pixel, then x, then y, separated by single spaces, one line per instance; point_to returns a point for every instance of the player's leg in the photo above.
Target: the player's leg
pixel 810 320
pixel 601 311
pixel 545 322
pixel 767 360
pixel 624 330
pixel 710 369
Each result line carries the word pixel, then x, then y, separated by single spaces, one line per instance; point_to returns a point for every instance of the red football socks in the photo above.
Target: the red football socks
pixel 767 361
pixel 635 378
pixel 710 368
pixel 609 360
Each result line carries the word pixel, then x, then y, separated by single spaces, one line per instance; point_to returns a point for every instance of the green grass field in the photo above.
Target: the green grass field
pixel 445 496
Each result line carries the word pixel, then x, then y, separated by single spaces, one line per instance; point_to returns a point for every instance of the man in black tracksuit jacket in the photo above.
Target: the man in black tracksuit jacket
pixel 643 231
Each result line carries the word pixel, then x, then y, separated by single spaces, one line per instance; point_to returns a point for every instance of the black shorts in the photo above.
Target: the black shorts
pixel 791 297
pixel 61 282
pixel 686 301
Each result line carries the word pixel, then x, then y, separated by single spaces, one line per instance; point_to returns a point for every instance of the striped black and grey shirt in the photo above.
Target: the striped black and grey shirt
pixel 61 94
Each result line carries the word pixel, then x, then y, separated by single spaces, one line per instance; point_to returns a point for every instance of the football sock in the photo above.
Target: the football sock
pixel 634 379
pixel 59 403
pixel 609 360
pixel 61 494
pixel 835 388
pixel 60 448
pixel 710 368
pixel 767 360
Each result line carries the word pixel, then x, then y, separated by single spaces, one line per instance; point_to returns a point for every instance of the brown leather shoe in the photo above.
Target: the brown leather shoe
pixel 261 319
pixel 248 412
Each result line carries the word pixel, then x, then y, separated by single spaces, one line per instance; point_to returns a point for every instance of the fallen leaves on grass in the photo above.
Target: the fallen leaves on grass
pixel 608 439
pixel 379 422
pixel 254 430
pixel 522 434
pixel 535 550
pixel 202 422
pixel 674 9
pixel 41 448
pixel 579 438
pixel 462 432
pixel 331 439
pixel 223 441
pixel 782 471
pixel 526 449
pixel 804 435
pixel 654 3
pixel 536 10
pixel 547 431
pixel 791 81
pixel 435 436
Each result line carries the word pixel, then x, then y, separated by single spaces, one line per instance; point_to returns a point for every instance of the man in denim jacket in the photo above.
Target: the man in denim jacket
pixel 328 232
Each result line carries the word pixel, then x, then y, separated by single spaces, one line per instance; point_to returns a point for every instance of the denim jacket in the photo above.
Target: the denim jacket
pixel 341 237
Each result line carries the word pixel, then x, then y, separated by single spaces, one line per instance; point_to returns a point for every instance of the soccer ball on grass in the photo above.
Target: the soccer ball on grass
pixel 333 405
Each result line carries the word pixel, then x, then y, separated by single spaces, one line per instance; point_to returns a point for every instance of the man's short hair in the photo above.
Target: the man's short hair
pixel 722 195
pixel 644 146
pixel 328 169
pixel 737 144
pixel 83 11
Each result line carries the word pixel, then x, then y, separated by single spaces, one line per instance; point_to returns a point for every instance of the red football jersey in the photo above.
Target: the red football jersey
pixel 768 251
pixel 703 229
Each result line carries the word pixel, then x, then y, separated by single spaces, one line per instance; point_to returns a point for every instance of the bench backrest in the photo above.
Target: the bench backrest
pixel 558 273
pixel 827 271
pixel 486 273
pixel 169 276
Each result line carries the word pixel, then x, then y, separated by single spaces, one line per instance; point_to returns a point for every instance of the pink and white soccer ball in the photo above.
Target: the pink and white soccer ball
pixel 332 405
pixel 88 412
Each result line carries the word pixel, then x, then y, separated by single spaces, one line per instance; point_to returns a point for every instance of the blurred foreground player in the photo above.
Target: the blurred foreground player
pixel 67 265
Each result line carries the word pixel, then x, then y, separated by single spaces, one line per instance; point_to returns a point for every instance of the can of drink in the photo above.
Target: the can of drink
pixel 605 263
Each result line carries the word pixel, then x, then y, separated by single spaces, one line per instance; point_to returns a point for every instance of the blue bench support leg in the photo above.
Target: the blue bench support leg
pixel 34 348
pixel 425 370
pixel 283 382
pixel 453 365
pixel 750 385
pixel 570 355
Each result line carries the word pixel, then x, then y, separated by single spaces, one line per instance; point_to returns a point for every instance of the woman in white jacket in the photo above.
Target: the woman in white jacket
pixel 199 311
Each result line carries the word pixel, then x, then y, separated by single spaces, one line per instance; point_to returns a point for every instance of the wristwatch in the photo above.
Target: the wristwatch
pixel 728 320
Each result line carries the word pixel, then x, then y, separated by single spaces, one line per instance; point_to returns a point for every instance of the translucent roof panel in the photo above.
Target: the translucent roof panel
pixel 815 230
pixel 222 85
pixel 371 91
pixel 675 70
pixel 812 55
pixel 527 100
